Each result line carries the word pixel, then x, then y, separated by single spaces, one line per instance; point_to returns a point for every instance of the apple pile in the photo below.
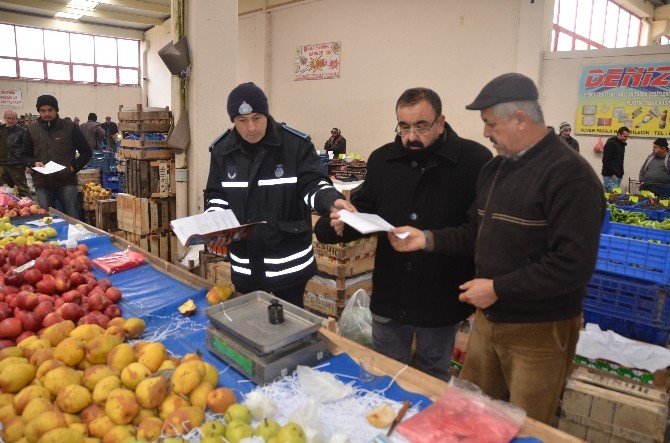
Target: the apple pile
pixel 20 208
pixel 59 286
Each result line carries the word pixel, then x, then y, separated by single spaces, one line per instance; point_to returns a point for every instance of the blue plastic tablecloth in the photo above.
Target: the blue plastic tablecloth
pixel 155 296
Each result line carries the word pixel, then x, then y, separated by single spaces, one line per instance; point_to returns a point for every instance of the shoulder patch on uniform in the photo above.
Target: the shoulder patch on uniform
pixel 219 138
pixel 294 131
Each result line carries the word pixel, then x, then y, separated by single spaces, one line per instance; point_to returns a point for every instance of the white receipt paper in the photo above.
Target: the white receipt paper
pixel 367 223
pixel 49 168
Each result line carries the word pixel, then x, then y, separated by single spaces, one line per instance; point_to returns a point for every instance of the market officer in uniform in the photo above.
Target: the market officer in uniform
pixel 539 210
pixel 426 177
pixel 266 171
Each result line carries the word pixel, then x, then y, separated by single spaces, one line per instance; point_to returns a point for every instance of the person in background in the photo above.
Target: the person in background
pixel 613 154
pixel 76 121
pixel 13 172
pixel 426 178
pixel 51 138
pixel 655 171
pixel 535 228
pixel 265 171
pixel 564 131
pixel 336 143
pixel 111 131
pixel 93 131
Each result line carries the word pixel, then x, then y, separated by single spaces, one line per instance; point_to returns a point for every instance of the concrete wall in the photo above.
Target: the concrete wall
pixel 156 76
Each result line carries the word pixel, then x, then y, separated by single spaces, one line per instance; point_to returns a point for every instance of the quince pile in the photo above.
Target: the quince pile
pixel 93 191
pixel 84 383
pixel 23 234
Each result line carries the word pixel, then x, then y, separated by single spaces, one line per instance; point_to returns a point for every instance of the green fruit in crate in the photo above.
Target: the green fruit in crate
pixel 237 430
pixel 47 220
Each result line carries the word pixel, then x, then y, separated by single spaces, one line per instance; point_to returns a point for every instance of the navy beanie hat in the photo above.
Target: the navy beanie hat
pixel 247 98
pixel 48 100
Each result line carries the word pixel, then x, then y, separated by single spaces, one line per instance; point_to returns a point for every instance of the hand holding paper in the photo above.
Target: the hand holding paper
pixel 367 223
pixel 49 168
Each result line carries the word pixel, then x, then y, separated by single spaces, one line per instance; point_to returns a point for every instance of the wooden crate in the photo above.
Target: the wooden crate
pixel 145 178
pixel 105 215
pixel 599 408
pixel 161 245
pixel 87 176
pixel 142 119
pixel 144 142
pixel 345 269
pixel 144 216
pixel 339 292
pixel 322 305
pixel 146 154
pixel 344 252
pixel 88 217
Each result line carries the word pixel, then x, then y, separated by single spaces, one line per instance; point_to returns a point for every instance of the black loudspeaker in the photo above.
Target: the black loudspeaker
pixel 175 56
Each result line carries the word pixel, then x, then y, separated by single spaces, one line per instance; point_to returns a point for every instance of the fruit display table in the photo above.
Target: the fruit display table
pixel 154 291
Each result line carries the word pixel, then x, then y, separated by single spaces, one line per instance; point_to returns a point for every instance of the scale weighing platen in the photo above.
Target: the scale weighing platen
pixel 242 335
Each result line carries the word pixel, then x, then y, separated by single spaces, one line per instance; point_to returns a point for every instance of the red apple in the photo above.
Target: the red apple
pixel 43 308
pixel 5 311
pixel 72 296
pixel 7 344
pixel 31 322
pixel 46 285
pixel 43 264
pixel 56 261
pixel 24 335
pixel 113 294
pixel 32 276
pixel 76 279
pixel 33 252
pixel 58 302
pixel 13 278
pixel 51 319
pixel 26 300
pixel 112 311
pixel 10 328
pixel 62 284
pixel 70 311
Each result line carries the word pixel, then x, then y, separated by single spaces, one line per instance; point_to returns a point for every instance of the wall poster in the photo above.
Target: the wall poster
pixel 632 95
pixel 11 99
pixel 316 62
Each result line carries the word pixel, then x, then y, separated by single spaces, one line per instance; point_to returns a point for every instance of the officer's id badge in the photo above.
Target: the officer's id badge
pixel 245 108
pixel 279 171
pixel 231 172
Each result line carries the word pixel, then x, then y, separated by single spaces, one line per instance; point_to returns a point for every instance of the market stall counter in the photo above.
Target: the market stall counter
pixel 155 290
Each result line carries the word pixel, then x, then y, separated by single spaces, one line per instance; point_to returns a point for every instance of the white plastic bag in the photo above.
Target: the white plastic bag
pixel 356 320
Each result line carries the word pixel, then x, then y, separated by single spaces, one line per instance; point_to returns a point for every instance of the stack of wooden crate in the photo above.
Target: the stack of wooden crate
pixel 146 222
pixel 600 407
pixel 344 268
pixel 145 210
pixel 215 268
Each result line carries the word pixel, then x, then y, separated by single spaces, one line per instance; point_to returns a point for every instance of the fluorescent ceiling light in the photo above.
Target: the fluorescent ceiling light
pixel 84 5
pixel 69 15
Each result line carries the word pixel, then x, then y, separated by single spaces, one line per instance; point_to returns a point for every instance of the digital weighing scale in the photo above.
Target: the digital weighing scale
pixel 240 333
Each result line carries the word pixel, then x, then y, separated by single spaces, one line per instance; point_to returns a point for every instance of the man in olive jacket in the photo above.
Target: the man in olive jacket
pixel 11 145
pixel 425 178
pixel 51 138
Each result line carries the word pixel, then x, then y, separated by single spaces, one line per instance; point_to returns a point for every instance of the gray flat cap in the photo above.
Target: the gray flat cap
pixel 511 87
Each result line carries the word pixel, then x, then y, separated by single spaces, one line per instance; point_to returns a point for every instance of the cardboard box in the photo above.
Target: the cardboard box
pixel 600 408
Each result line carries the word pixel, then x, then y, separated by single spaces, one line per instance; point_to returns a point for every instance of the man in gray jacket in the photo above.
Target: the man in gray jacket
pixel 655 171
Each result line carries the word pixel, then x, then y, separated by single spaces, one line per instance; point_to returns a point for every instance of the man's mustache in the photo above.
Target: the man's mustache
pixel 414 144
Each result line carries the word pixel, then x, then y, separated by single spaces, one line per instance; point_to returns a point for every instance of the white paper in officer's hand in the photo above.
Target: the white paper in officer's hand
pixel 49 168
pixel 367 223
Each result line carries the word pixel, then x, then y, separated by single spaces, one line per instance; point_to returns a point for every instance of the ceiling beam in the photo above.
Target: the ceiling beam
pixel 138 4
pixel 104 15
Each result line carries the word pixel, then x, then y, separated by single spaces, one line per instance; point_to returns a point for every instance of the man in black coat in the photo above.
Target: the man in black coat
pixel 613 154
pixel 425 178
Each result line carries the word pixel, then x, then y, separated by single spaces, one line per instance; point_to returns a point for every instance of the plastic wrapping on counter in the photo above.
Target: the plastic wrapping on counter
pixel 464 414
pixel 119 261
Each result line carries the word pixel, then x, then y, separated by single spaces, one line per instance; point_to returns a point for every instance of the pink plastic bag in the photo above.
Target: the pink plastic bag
pixel 599 147
pixel 118 261
pixel 463 415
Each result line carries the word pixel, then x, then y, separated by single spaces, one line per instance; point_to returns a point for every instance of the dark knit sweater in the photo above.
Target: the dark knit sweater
pixel 537 231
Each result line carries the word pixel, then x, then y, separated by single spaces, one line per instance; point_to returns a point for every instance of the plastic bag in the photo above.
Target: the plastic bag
pixel 118 261
pixel 464 414
pixel 356 319
pixel 599 146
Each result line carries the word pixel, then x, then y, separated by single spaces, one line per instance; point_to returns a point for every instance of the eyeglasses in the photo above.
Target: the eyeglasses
pixel 403 129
